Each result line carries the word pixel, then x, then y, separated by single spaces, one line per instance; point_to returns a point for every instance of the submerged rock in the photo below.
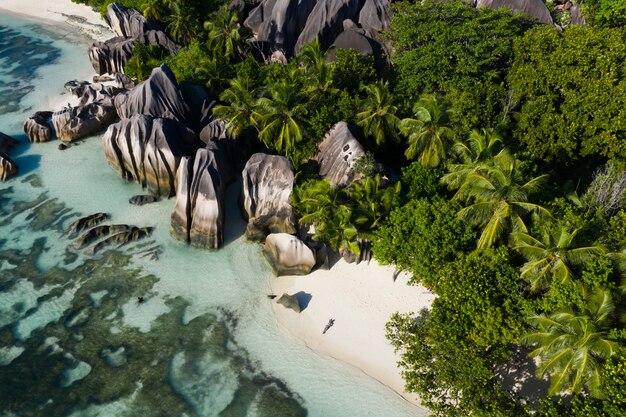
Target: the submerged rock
pixel 198 214
pixel 288 255
pixel 266 187
pixel 38 127
pixel 122 238
pixel 7 142
pixel 99 232
pixel 140 200
pixel 337 153
pixel 148 150
pixel 78 122
pixel 86 222
pixel 290 302
pixel 8 168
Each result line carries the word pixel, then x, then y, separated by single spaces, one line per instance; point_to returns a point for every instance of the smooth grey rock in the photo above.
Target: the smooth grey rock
pixel 78 122
pixel 198 214
pixel 102 78
pixel 351 39
pixel 337 153
pixel 326 21
pixel 200 105
pixel 148 150
pixel 576 18
pixel 126 22
pixel 7 142
pixel 8 168
pixel 278 23
pixel 123 81
pixel 76 87
pixel 288 255
pixel 533 8
pixel 38 127
pixel 373 15
pixel 86 222
pixel 216 130
pixel 158 96
pixel 266 188
pixel 290 302
pixel 97 92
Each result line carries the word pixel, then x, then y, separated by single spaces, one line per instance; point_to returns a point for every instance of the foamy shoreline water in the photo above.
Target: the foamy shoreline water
pixel 358 335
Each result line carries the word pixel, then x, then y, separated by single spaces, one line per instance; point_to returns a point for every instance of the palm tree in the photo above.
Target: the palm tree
pixel 280 117
pixel 501 199
pixel 551 258
pixel 378 116
pixel 179 23
pixel 240 108
pixel 327 209
pixel 373 202
pixel 318 76
pixel 571 345
pixel 429 133
pixel 153 9
pixel 480 147
pixel 224 33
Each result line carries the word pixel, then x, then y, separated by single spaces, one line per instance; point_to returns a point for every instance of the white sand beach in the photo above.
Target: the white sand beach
pixel 360 298
pixel 78 17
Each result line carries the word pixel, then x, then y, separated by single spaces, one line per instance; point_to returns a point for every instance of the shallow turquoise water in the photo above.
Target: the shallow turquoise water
pixel 73 340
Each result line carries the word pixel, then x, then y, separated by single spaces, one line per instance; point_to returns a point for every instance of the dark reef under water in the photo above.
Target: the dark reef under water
pixel 178 367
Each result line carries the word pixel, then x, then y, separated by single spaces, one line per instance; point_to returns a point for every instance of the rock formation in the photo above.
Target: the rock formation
pixel 266 187
pixel 198 214
pixel 99 232
pixel 288 255
pixel 533 8
pixel 158 96
pixel 337 153
pixel 129 25
pixel 38 127
pixel 199 104
pixel 353 38
pixel 7 142
pixel 8 168
pixel 86 222
pixel 148 150
pixel 132 235
pixel 141 200
pixel 78 122
pixel 290 302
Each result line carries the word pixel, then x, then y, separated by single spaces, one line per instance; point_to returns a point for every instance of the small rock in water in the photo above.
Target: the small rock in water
pixel 86 223
pixel 140 200
pixel 62 147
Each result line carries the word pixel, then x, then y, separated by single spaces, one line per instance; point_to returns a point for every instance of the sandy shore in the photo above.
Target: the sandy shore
pixel 360 298
pixel 78 17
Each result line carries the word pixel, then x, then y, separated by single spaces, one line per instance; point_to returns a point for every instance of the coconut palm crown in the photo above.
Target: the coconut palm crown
pixel 551 257
pixel 571 345
pixel 500 195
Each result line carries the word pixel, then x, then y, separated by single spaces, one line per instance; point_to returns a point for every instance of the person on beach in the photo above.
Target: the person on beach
pixel 329 325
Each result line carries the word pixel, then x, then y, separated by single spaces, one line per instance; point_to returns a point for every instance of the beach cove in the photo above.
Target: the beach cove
pixel 237 350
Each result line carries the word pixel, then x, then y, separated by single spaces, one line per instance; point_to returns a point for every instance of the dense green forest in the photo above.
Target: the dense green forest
pixel 509 143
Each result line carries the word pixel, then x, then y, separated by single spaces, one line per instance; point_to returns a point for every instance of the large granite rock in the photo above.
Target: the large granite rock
pixel 38 127
pixel 288 255
pixel 374 15
pixel 266 187
pixel 148 150
pixel 158 96
pixel 97 92
pixel 86 222
pixel 128 23
pixel 200 105
pixel 353 38
pixel 336 156
pixel 533 8
pixel 278 23
pixel 198 214
pixel 111 56
pixel 8 168
pixel 326 21
pixel 78 122
pixel 7 142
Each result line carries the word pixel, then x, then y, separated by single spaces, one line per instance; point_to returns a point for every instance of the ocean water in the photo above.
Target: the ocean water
pixel 74 341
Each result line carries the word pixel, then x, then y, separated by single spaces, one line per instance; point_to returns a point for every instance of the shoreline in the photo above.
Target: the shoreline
pixel 361 298
pixel 80 18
